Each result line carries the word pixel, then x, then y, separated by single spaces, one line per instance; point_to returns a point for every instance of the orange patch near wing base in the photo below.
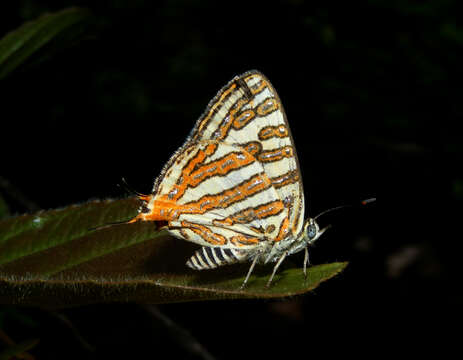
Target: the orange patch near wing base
pixel 168 210
pixel 164 211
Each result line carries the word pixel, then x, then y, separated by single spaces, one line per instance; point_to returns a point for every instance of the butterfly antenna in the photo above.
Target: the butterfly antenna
pixel 362 203
pixel 101 227
pixel 131 190
pixel 125 185
pixel 367 201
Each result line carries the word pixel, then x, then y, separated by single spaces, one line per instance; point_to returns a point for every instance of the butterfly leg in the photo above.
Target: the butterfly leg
pixel 306 261
pixel 280 260
pixel 250 271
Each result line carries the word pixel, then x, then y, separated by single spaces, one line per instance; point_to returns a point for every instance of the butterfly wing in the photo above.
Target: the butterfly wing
pixel 236 180
pixel 222 195
pixel 248 112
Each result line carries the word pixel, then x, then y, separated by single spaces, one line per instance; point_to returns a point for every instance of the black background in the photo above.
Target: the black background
pixel 372 91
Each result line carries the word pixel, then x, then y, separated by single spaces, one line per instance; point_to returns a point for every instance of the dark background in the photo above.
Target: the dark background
pixel 372 90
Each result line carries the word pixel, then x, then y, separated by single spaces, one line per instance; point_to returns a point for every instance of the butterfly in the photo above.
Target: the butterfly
pixel 235 187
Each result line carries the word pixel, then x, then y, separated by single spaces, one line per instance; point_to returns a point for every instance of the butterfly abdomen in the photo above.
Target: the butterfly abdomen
pixel 212 257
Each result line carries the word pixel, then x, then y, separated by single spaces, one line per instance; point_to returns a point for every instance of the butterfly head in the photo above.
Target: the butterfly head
pixel 312 231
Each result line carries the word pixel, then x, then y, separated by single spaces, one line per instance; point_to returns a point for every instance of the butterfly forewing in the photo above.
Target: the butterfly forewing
pixel 248 112
pixel 236 181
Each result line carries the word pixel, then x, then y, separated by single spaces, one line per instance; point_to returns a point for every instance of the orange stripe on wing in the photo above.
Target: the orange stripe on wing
pixel 227 122
pixel 258 87
pixel 168 210
pixel 268 132
pixel 276 154
pixel 255 184
pixel 252 147
pixel 243 119
pixel 205 233
pixel 250 214
pixel 241 240
pixel 214 107
pixel 284 229
pixel 296 218
pixel 178 189
pixel 161 210
pixel 290 177
pixel 222 166
pixel 267 106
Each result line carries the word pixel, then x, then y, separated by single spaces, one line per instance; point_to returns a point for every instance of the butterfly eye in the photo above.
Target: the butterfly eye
pixel 311 231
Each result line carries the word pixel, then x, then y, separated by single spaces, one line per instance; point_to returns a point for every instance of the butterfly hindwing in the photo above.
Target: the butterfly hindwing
pixel 225 196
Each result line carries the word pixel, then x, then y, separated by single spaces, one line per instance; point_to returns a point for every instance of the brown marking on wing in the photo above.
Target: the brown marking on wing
pixel 227 122
pixel 284 229
pixel 243 119
pixel 205 233
pixel 268 132
pixel 258 87
pixel 180 187
pixel 168 210
pixel 267 106
pixel 214 107
pixel 253 185
pixel 252 147
pixel 241 240
pixel 221 167
pixel 276 154
pixel 252 213
pixel 288 178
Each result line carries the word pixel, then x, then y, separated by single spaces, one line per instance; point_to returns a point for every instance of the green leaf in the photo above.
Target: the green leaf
pixel 55 259
pixel 17 46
